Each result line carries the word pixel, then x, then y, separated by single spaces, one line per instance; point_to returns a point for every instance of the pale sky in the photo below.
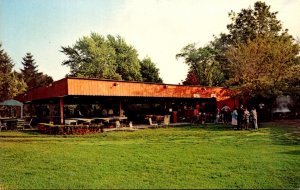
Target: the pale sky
pixel 156 28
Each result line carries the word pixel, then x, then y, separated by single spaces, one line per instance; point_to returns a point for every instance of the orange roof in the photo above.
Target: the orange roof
pixel 95 87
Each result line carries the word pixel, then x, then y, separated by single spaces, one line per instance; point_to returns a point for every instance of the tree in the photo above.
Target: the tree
pixel 11 83
pixel 149 71
pixel 258 55
pixel 252 23
pixel 127 61
pixel 246 25
pixel 92 57
pixel 265 66
pixel 203 64
pixel 45 79
pixel 105 58
pixel 191 78
pixel 30 73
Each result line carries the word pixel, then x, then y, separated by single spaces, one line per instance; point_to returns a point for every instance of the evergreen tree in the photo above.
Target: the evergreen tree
pixel 30 73
pixel 11 83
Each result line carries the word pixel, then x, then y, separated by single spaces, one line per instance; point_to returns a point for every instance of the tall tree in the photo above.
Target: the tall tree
pixel 11 83
pixel 257 54
pixel 245 25
pixel 248 24
pixel 30 73
pixel 92 57
pixel 251 23
pixel 203 64
pixel 265 66
pixel 95 56
pixel 149 71
pixel 127 61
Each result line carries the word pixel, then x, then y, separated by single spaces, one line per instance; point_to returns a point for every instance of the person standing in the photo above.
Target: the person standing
pixel 234 117
pixel 246 118
pixel 240 117
pixel 226 111
pixel 254 117
pixel 217 115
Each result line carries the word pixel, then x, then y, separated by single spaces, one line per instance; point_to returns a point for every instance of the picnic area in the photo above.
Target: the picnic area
pixel 191 156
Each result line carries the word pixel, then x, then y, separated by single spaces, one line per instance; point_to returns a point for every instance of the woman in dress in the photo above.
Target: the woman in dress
pixel 234 116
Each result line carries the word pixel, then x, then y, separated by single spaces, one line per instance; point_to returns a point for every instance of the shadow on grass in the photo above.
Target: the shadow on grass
pixel 293 152
pixel 31 132
pixel 213 127
pixel 284 135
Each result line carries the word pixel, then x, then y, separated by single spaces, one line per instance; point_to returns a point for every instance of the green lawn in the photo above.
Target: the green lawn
pixel 181 157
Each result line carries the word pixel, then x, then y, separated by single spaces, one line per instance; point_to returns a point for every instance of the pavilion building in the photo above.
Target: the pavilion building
pixel 64 97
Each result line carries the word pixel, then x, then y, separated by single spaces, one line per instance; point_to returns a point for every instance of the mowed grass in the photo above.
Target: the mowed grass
pixel 182 157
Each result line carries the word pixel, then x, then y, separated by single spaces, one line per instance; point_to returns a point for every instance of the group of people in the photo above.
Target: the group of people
pixel 241 118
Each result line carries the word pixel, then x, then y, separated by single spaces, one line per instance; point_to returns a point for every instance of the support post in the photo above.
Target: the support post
pixel 51 112
pixel 22 111
pixel 61 108
pixel 120 109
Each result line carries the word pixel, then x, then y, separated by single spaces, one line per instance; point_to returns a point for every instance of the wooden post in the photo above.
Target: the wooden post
pixel 120 109
pixel 51 112
pixel 61 108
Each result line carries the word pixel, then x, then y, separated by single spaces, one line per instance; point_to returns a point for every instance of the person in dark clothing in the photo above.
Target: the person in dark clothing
pixel 226 114
pixel 240 117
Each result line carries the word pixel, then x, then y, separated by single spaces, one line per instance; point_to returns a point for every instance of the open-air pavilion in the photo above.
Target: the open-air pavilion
pixel 136 99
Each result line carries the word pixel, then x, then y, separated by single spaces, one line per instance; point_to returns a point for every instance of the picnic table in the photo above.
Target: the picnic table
pixel 12 122
pixel 76 121
pixel 115 121
pixel 156 118
pixel 109 119
pixel 69 129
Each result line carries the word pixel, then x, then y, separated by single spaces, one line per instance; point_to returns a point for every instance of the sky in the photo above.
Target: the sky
pixel 156 28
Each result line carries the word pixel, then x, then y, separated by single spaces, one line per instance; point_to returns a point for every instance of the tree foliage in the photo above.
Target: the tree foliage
pixel 250 23
pixel 11 83
pixel 127 61
pixel 109 57
pixel 149 71
pixel 191 78
pixel 92 57
pixel 30 73
pixel 245 25
pixel 202 64
pixel 264 66
pixel 257 55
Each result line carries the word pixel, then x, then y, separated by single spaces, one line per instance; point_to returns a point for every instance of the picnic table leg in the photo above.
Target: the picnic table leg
pixel 61 130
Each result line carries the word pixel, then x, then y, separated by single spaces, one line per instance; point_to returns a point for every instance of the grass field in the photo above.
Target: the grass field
pixel 182 157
